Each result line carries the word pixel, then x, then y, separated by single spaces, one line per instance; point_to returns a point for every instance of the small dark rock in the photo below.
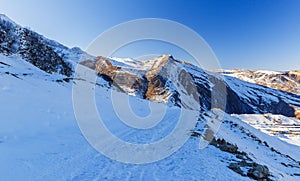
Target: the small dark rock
pixel 240 156
pixel 229 148
pixel 236 167
pixel 195 134
pixel 259 172
pixel 266 144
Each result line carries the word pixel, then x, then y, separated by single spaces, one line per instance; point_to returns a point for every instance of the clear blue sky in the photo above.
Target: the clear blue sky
pixel 252 34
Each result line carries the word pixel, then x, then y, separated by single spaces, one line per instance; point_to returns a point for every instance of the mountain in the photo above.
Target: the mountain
pixel 258 135
pixel 288 81
pixel 150 80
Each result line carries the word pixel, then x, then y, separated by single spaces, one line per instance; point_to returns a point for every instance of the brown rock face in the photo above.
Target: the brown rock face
pixel 104 67
pixel 124 80
pixel 156 89
pixel 297 113
pixel 150 84
pixel 295 75
pixel 156 81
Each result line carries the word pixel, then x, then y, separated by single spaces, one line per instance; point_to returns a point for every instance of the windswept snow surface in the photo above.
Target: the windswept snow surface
pixel 40 139
pixel 285 128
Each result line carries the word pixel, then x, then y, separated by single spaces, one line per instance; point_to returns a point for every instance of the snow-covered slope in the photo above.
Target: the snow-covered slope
pixel 288 81
pixel 285 128
pixel 40 140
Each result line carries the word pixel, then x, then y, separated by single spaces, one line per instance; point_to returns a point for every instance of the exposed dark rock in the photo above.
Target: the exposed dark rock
pixel 42 56
pixel 32 47
pixel 244 166
pixel 237 168
pixel 224 146
pixel 259 172
pixel 195 134
pixel 4 64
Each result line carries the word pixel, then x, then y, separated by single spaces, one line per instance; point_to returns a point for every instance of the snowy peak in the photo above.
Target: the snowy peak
pixel 158 62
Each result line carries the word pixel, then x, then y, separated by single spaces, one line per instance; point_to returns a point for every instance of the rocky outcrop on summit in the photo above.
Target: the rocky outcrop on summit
pixel 32 47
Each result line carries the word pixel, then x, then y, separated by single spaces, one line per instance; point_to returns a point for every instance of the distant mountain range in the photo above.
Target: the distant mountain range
pixel 288 81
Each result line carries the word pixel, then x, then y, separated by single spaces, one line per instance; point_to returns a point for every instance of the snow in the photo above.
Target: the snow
pixel 267 72
pixel 5 18
pixel 239 135
pixel 273 79
pixel 116 61
pixel 285 128
pixel 40 138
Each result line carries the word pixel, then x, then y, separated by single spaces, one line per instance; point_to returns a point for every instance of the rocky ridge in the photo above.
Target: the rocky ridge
pixel 288 81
